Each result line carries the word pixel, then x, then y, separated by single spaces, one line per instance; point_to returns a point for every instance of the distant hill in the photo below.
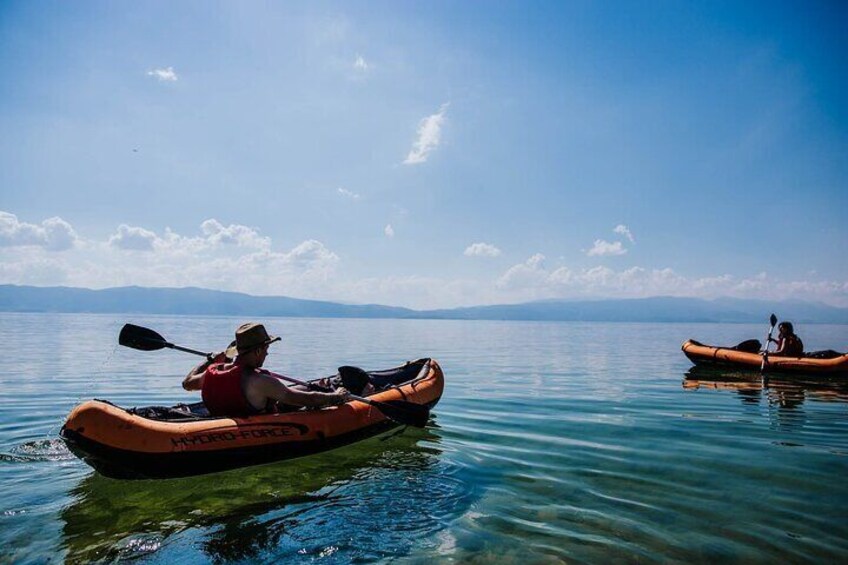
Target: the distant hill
pixel 654 309
pixel 198 301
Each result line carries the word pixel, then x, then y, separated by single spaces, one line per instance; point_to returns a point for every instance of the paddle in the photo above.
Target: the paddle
pixel 145 339
pixel 400 411
pixel 773 321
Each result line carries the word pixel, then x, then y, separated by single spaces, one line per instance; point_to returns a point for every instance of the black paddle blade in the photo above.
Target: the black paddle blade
pixel 773 320
pixel 403 412
pixel 141 338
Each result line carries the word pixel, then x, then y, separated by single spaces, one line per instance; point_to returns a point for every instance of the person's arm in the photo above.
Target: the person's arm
pixel 274 389
pixel 194 379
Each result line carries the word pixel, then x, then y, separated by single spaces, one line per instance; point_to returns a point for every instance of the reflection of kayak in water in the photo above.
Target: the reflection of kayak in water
pixel 161 442
pixel 743 381
pixel 249 515
pixel 785 391
pixel 707 355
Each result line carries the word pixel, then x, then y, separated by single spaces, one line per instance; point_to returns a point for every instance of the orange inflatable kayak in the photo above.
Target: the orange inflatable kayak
pixel 161 442
pixel 706 355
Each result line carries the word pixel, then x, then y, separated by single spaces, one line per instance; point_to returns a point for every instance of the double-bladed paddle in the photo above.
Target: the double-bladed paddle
pixel 400 411
pixel 145 339
pixel 773 322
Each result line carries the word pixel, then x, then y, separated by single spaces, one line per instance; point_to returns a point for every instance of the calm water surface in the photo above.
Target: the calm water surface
pixel 577 442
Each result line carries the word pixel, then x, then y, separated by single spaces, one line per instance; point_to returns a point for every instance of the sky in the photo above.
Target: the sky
pixel 427 154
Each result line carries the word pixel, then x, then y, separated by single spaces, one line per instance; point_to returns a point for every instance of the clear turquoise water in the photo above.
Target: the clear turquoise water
pixel 553 442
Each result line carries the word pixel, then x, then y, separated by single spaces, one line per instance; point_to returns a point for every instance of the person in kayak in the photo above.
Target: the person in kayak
pixel 242 387
pixel 788 344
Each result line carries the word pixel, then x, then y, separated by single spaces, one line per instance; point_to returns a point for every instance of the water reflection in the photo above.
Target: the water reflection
pixel 782 392
pixel 785 397
pixel 344 502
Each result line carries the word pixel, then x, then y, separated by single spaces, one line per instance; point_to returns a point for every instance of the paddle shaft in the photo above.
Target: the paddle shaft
pixel 310 385
pixel 772 321
pixel 186 349
pixel 281 377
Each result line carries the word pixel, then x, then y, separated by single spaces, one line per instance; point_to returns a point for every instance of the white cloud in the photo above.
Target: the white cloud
pixel 234 234
pixel 54 234
pixel 623 230
pixel 59 234
pixel 348 193
pixel 14 232
pixel 164 75
pixel 429 137
pixel 529 274
pixel 310 254
pixel 133 239
pixel 215 235
pixel 360 64
pixel 604 248
pixel 482 250
pixel 531 280
pixel 389 231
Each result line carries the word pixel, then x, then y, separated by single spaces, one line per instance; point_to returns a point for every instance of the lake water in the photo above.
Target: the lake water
pixel 577 442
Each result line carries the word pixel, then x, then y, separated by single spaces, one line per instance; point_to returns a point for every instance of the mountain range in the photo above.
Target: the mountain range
pixel 198 301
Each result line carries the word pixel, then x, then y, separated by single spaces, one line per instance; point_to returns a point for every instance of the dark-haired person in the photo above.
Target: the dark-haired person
pixel 788 344
pixel 243 388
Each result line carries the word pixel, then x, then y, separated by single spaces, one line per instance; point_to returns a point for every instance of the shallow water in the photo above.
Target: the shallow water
pixel 578 442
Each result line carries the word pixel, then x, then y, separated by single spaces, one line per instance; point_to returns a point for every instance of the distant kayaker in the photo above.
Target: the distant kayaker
pixel 788 344
pixel 242 387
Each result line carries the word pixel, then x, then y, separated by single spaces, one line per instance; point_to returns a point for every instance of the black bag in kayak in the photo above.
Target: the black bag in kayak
pixel 749 346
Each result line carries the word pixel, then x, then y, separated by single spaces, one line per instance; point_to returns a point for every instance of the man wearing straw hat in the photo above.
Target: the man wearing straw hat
pixel 243 388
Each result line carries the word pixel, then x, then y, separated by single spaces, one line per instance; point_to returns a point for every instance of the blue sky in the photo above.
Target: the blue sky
pixel 427 154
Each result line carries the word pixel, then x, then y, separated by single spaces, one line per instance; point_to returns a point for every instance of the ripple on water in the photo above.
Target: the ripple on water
pixel 378 520
pixel 552 443
pixel 38 450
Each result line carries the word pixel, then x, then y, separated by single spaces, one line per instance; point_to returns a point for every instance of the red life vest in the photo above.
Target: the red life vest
pixel 222 392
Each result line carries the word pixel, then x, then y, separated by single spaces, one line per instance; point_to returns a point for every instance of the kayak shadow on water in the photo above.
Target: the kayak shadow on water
pixel 297 508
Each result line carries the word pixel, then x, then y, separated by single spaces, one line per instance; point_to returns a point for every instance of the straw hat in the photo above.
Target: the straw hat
pixel 251 335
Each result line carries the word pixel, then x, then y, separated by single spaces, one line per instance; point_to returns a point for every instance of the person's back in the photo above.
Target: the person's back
pixel 243 388
pixel 223 390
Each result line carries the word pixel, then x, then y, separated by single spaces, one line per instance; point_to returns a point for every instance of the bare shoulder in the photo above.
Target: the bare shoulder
pixel 264 381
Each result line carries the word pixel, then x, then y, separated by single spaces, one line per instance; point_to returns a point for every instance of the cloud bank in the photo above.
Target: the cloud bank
pixel 54 234
pixel 532 280
pixel 236 257
pixel 226 257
